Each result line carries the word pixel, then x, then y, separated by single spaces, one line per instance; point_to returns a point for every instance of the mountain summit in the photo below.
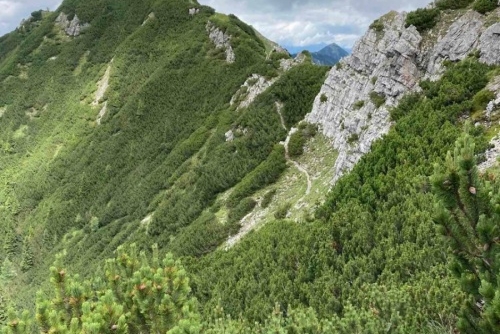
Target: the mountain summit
pixel 329 55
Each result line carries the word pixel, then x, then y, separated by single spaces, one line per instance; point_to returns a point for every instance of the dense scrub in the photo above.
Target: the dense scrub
pixel 152 171
pixel 375 248
pixel 426 18
pixel 159 169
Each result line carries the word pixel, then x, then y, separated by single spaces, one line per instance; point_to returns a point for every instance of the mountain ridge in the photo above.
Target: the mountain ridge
pixel 164 122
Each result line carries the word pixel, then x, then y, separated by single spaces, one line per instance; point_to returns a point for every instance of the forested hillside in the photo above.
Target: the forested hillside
pixel 120 133
pixel 138 139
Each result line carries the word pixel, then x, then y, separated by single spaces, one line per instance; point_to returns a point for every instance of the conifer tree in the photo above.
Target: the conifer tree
pixel 7 270
pixel 136 295
pixel 27 257
pixel 468 215
pixel 3 310
pixel 10 242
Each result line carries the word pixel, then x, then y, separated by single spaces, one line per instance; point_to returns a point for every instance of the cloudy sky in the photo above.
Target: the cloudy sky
pixel 295 24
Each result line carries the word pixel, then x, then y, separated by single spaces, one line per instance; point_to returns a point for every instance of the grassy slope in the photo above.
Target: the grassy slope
pixel 160 151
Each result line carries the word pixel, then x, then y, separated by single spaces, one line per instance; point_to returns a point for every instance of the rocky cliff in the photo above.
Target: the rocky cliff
pixel 352 108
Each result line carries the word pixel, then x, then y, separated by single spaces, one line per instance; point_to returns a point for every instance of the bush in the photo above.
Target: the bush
pixel 268 197
pixel 36 16
pixel 309 130
pixel 377 99
pixel 482 99
pixel 241 210
pixel 296 144
pixel 453 4
pixel 484 6
pixel 353 138
pixel 323 98
pixel 282 211
pixel 358 104
pixel 377 25
pixel 423 19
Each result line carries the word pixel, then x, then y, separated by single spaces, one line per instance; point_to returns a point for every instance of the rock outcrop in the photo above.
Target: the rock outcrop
pixel 253 87
pixel 288 63
pixel 102 87
pixel 221 41
pixel 72 27
pixel 194 11
pixel 489 45
pixel 257 84
pixel 384 66
pixel 461 39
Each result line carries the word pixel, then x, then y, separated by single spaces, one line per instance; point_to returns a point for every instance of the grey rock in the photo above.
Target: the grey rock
pixel 491 155
pixel 150 17
pixel 390 63
pixel 221 40
pixel 229 136
pixel 382 64
pixel 251 89
pixel 287 64
pixel 194 11
pixel 72 27
pixel 461 39
pixel 257 84
pixel 489 45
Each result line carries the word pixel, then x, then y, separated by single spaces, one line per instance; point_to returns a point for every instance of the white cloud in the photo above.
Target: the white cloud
pixel 288 22
pixel 308 22
pixel 13 11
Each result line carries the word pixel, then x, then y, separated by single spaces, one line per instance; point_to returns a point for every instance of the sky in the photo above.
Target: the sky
pixel 294 24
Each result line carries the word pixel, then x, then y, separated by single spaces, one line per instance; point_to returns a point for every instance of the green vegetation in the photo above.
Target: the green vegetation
pixel 390 217
pixel 282 211
pixel 484 6
pixel 423 18
pixel 267 198
pixel 468 218
pixel 153 170
pixel 358 105
pixel 296 144
pixel 378 99
pixel 453 4
pixel 353 138
pixel 482 99
pixel 377 25
pixel 159 170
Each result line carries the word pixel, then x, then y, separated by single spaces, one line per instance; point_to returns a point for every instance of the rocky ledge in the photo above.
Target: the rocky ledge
pixel 221 41
pixel 352 106
pixel 72 27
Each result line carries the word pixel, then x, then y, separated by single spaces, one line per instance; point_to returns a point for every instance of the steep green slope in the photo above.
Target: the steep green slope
pixel 126 134
pixel 150 167
pixel 374 255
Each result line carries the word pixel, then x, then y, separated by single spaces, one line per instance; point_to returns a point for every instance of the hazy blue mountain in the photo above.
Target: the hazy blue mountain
pixel 329 55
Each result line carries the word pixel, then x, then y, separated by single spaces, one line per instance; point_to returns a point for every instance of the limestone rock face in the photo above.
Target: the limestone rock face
pixel 253 87
pixel 388 65
pixel 461 39
pixel 221 40
pixel 72 27
pixel 489 45
pixel 380 64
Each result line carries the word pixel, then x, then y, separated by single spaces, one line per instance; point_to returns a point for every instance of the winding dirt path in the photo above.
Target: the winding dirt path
pixel 279 107
pixel 250 221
